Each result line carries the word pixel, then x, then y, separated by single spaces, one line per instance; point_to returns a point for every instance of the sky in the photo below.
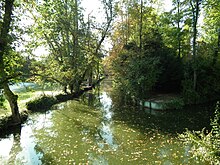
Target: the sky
pixel 93 5
pixel 94 8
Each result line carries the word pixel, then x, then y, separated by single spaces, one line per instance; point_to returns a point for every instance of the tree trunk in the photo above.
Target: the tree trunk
pixel 12 99
pixel 178 24
pixel 90 80
pixel 195 11
pixel 76 28
pixel 216 49
pixel 90 77
pixel 141 25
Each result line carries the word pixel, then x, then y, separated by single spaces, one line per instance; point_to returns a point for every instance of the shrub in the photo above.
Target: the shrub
pixel 176 103
pixel 205 146
pixel 41 103
pixel 2 99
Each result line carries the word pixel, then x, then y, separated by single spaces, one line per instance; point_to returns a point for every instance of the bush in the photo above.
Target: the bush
pixel 207 81
pixel 41 103
pixel 176 103
pixel 2 99
pixel 190 96
pixel 205 146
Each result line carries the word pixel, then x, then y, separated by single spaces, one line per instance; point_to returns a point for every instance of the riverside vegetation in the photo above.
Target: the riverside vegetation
pixel 153 51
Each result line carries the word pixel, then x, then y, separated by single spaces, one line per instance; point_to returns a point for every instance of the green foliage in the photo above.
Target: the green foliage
pixel 177 103
pixel 211 22
pixel 2 99
pixel 63 33
pixel 41 103
pixel 189 94
pixel 152 68
pixel 75 49
pixel 171 71
pixel 205 146
pixel 135 73
pixel 208 76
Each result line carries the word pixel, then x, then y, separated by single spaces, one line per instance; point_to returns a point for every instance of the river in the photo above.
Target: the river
pixel 96 130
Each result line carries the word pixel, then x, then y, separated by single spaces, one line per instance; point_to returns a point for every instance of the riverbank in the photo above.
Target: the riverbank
pixel 6 123
pixel 95 129
pixel 164 102
pixel 45 102
pixel 40 103
pixel 171 101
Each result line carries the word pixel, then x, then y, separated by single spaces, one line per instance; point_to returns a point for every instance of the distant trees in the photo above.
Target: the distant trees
pixel 142 62
pixel 153 51
pixel 183 52
pixel 74 49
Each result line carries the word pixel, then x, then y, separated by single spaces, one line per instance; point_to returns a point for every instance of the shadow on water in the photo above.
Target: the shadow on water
pixel 19 147
pixel 148 136
pixel 175 121
pixel 96 130
pixel 195 117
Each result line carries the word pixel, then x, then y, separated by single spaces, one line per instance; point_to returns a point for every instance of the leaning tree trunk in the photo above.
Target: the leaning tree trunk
pixel 12 99
pixel 10 96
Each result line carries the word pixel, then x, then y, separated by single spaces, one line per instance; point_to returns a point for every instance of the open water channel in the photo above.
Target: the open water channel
pixel 96 130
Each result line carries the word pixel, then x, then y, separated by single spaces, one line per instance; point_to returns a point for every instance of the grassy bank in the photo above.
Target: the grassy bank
pixel 36 99
pixel 25 94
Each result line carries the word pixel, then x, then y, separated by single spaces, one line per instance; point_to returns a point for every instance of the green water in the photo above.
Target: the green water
pixel 96 130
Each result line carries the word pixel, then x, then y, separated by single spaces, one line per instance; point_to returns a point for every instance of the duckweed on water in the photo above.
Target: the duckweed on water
pixel 97 131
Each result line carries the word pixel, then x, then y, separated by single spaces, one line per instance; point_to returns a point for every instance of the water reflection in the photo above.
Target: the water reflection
pixel 21 147
pixel 95 130
pixel 106 130
pixel 9 145
pixel 28 154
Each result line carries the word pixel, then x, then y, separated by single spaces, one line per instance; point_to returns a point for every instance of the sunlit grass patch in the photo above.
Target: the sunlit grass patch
pixel 24 96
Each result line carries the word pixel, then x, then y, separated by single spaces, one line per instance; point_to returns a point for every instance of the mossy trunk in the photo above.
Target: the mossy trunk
pixel 12 99
pixel 4 43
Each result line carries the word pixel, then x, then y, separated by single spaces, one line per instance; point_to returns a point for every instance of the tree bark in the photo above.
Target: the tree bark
pixel 195 11
pixel 178 26
pixel 141 25
pixel 76 29
pixel 216 49
pixel 10 96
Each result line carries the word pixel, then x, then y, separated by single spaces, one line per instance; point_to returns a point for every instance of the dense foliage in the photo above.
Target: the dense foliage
pixel 73 44
pixel 2 99
pixel 205 146
pixel 74 50
pixel 153 51
pixel 169 52
pixel 137 72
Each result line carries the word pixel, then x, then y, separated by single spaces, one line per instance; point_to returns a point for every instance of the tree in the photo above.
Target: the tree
pixel 175 26
pixel 4 50
pixel 211 28
pixel 195 8
pixel 74 48
pixel 64 34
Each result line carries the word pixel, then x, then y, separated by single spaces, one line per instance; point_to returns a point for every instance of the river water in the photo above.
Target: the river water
pixel 96 130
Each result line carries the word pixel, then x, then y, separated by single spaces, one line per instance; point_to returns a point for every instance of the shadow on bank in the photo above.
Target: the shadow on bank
pixel 7 125
pixel 41 104
pixel 45 102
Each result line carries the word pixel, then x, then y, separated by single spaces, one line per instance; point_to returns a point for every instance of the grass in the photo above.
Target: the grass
pixel 25 95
